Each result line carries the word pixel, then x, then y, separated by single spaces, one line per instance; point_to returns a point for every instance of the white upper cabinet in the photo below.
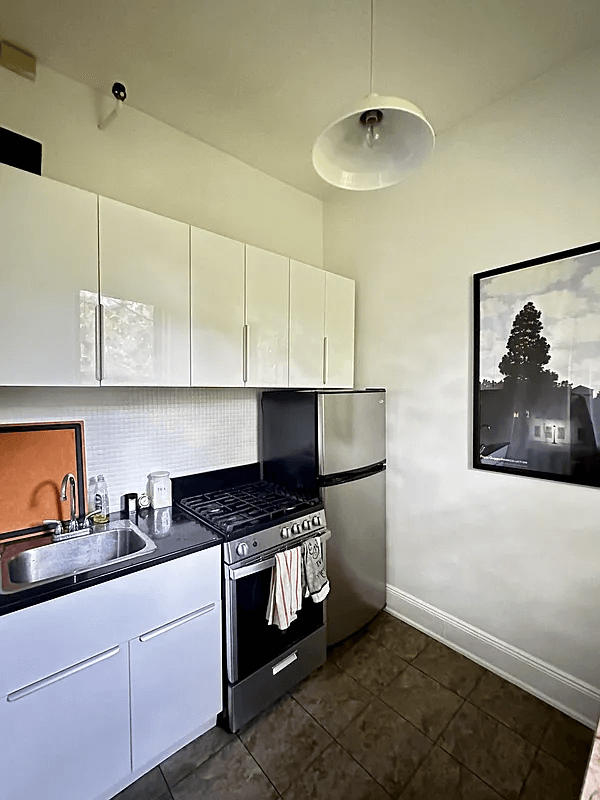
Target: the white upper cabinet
pixel 217 292
pixel 49 281
pixel 339 331
pixel 307 325
pixel 267 300
pixel 144 288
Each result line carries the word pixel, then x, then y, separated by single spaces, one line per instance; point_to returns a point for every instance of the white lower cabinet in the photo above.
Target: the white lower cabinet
pixel 175 681
pixel 66 736
pixel 90 694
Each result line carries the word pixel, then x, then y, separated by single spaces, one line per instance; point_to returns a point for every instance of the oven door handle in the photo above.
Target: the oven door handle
pixel 235 573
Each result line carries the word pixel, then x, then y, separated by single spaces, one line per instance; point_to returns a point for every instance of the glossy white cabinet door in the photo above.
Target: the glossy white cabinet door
pixel 175 681
pixel 48 281
pixel 217 291
pixel 144 285
pixel 68 737
pixel 307 325
pixel 339 331
pixel 267 307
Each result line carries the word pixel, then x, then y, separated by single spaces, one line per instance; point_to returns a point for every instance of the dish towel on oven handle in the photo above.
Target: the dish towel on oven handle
pixel 285 596
pixel 313 569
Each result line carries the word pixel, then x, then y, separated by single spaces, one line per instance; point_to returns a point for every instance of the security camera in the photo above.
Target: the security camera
pixel 119 91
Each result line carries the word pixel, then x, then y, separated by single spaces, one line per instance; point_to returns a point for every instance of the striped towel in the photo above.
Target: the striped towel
pixel 285 597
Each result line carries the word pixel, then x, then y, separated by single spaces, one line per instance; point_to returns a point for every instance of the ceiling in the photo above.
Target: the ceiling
pixel 259 79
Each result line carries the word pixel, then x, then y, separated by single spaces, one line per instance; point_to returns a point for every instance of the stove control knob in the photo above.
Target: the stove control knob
pixel 285 533
pixel 306 525
pixel 316 521
pixel 295 529
pixel 242 549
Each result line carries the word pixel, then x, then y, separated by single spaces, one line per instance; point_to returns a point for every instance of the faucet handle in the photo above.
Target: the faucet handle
pixel 56 524
pixel 87 520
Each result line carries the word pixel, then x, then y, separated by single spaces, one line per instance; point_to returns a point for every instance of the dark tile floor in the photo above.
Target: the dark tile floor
pixel 392 713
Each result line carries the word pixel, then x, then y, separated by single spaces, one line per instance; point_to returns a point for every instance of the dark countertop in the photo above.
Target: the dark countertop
pixel 174 532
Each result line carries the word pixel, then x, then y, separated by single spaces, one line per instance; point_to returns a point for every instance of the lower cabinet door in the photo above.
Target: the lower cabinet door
pixel 175 681
pixel 66 737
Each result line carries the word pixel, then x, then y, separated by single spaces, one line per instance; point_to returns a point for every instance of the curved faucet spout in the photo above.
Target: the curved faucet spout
pixel 69 481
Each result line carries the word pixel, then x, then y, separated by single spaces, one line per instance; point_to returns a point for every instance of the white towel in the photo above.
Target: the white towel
pixel 285 597
pixel 313 570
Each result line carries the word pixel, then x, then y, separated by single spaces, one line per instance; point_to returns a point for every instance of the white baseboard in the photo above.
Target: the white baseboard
pixel 570 695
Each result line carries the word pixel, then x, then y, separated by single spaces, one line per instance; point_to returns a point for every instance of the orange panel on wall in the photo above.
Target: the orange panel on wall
pixel 33 460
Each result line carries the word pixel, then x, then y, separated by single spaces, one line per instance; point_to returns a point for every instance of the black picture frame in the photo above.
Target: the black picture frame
pixel 536 367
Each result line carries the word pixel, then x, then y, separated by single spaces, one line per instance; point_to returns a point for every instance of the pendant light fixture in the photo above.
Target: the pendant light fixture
pixel 375 143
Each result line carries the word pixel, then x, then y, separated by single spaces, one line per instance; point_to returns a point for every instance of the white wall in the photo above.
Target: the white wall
pixel 517 558
pixel 146 163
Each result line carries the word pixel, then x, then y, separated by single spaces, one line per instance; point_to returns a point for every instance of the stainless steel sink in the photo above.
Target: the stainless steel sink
pixel 120 541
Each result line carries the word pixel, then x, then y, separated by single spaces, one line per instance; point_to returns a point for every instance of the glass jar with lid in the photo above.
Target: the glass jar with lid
pixel 159 489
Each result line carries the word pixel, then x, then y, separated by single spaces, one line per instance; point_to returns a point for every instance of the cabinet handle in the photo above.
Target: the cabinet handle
pixel 65 673
pixel 325 361
pixel 99 320
pixel 246 330
pixel 175 624
pixel 285 663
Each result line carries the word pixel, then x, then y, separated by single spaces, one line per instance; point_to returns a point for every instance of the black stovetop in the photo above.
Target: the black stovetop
pixel 241 510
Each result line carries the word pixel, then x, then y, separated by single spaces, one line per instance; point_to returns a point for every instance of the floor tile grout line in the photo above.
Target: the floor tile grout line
pixel 166 781
pixel 347 725
pixel 201 764
pixel 275 789
pixel 337 741
pixel 479 778
pixel 529 771
pixel 508 728
pixel 364 768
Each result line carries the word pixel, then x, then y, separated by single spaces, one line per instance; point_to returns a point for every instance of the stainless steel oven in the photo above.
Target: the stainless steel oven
pixel 262 661
pixel 257 520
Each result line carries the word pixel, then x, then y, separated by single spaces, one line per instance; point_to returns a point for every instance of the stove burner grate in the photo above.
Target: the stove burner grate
pixel 247 508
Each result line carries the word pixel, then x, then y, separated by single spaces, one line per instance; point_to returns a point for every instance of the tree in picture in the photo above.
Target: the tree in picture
pixel 529 383
pixel 527 352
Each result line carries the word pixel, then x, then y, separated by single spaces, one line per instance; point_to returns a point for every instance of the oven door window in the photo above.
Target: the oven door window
pixel 257 642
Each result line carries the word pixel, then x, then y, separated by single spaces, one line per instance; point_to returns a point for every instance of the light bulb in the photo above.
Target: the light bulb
pixel 371 135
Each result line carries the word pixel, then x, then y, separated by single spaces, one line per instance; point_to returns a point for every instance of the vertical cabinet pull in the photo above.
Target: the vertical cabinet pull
pixel 146 637
pixel 245 336
pixel 99 320
pixel 325 361
pixel 58 676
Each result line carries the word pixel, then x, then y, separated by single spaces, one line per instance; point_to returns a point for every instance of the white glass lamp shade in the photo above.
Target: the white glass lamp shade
pixel 404 139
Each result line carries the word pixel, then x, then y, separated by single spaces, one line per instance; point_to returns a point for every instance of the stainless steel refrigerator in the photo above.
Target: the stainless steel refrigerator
pixel 333 442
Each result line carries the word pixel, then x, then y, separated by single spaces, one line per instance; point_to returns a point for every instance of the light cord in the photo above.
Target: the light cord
pixel 371 69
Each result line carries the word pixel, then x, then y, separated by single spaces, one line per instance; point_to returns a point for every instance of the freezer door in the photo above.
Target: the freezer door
pixel 356 562
pixel 351 430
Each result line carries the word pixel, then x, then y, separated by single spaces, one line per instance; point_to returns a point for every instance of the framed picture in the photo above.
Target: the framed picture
pixel 537 367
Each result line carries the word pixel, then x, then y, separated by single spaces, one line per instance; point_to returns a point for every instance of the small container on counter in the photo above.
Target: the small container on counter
pixel 101 504
pixel 129 505
pixel 162 522
pixel 159 489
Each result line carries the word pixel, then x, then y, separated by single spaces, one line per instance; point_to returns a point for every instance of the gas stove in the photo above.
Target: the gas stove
pixel 256 517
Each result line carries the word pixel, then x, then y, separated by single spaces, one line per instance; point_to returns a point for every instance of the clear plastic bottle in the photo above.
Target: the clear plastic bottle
pixel 101 501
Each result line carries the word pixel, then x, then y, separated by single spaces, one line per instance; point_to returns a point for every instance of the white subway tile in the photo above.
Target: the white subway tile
pixel 130 432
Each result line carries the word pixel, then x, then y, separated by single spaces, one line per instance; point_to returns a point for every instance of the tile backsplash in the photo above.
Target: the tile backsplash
pixel 130 432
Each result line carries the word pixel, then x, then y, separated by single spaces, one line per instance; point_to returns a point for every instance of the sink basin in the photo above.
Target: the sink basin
pixel 120 542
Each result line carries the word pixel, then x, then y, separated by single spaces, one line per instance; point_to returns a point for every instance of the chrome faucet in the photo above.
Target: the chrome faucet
pixel 69 481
